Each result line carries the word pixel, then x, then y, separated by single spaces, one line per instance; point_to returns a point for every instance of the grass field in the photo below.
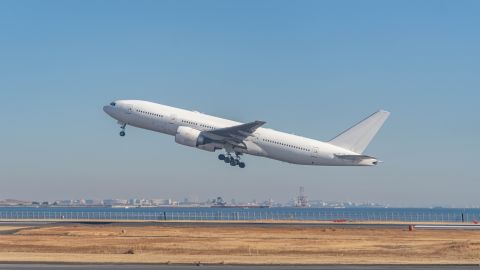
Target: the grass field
pixel 239 245
pixel 10 228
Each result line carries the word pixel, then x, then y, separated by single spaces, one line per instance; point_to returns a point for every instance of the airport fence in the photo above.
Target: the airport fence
pixel 243 215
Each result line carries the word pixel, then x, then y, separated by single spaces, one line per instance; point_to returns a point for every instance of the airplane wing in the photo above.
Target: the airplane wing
pixel 233 135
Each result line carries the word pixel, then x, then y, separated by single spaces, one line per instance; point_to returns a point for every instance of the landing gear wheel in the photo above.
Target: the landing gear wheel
pixel 122 133
pixel 221 157
pixel 227 160
pixel 241 165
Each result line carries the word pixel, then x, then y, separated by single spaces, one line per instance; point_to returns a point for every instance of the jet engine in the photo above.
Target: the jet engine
pixel 193 138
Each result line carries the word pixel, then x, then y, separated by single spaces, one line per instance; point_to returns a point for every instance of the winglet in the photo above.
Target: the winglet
pixel 358 137
pixel 257 124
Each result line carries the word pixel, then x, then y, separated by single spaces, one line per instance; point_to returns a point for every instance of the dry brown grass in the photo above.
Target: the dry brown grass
pixel 11 228
pixel 240 244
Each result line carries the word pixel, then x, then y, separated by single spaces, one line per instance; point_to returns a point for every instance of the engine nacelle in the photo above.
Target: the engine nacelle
pixel 193 138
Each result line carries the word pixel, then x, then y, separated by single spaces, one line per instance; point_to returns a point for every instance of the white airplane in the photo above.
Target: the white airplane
pixel 211 133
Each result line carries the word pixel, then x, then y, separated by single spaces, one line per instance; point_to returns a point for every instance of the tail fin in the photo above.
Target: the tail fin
pixel 358 137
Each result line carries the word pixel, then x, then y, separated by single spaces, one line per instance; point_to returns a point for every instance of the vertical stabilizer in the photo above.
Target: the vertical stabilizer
pixel 358 137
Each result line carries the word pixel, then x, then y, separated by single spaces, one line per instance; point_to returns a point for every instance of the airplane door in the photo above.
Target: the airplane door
pixel 315 155
pixel 172 119
pixel 129 109
pixel 129 112
pixel 172 124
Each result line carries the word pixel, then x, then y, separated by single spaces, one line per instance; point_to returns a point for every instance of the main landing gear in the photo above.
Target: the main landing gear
pixel 122 133
pixel 233 161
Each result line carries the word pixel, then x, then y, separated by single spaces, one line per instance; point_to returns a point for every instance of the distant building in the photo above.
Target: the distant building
pixel 219 202
pixel 113 202
pixel 160 202
pixel 92 202
pixel 302 200
pixel 63 203
pixel 13 202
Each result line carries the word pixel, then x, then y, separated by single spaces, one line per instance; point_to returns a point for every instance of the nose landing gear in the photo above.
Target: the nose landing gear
pixel 233 161
pixel 122 133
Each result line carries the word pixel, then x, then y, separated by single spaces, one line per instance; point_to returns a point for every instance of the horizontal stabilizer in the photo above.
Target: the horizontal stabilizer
pixel 358 137
pixel 354 157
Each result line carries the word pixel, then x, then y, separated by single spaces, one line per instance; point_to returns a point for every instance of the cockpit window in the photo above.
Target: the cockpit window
pixel 113 104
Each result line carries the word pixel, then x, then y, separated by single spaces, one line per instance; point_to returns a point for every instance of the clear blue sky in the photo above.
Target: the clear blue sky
pixel 308 67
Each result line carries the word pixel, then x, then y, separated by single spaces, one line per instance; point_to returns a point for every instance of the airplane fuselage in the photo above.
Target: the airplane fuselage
pixel 263 142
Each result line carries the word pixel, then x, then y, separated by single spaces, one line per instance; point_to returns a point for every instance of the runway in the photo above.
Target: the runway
pixel 231 267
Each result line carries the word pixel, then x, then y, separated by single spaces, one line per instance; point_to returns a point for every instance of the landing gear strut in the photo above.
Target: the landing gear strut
pixel 233 161
pixel 122 133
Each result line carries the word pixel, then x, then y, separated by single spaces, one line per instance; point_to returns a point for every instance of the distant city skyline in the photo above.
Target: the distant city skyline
pixel 298 201
pixel 312 68
pixel 186 202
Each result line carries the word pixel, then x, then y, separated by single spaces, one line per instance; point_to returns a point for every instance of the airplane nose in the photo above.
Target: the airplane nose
pixel 107 109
